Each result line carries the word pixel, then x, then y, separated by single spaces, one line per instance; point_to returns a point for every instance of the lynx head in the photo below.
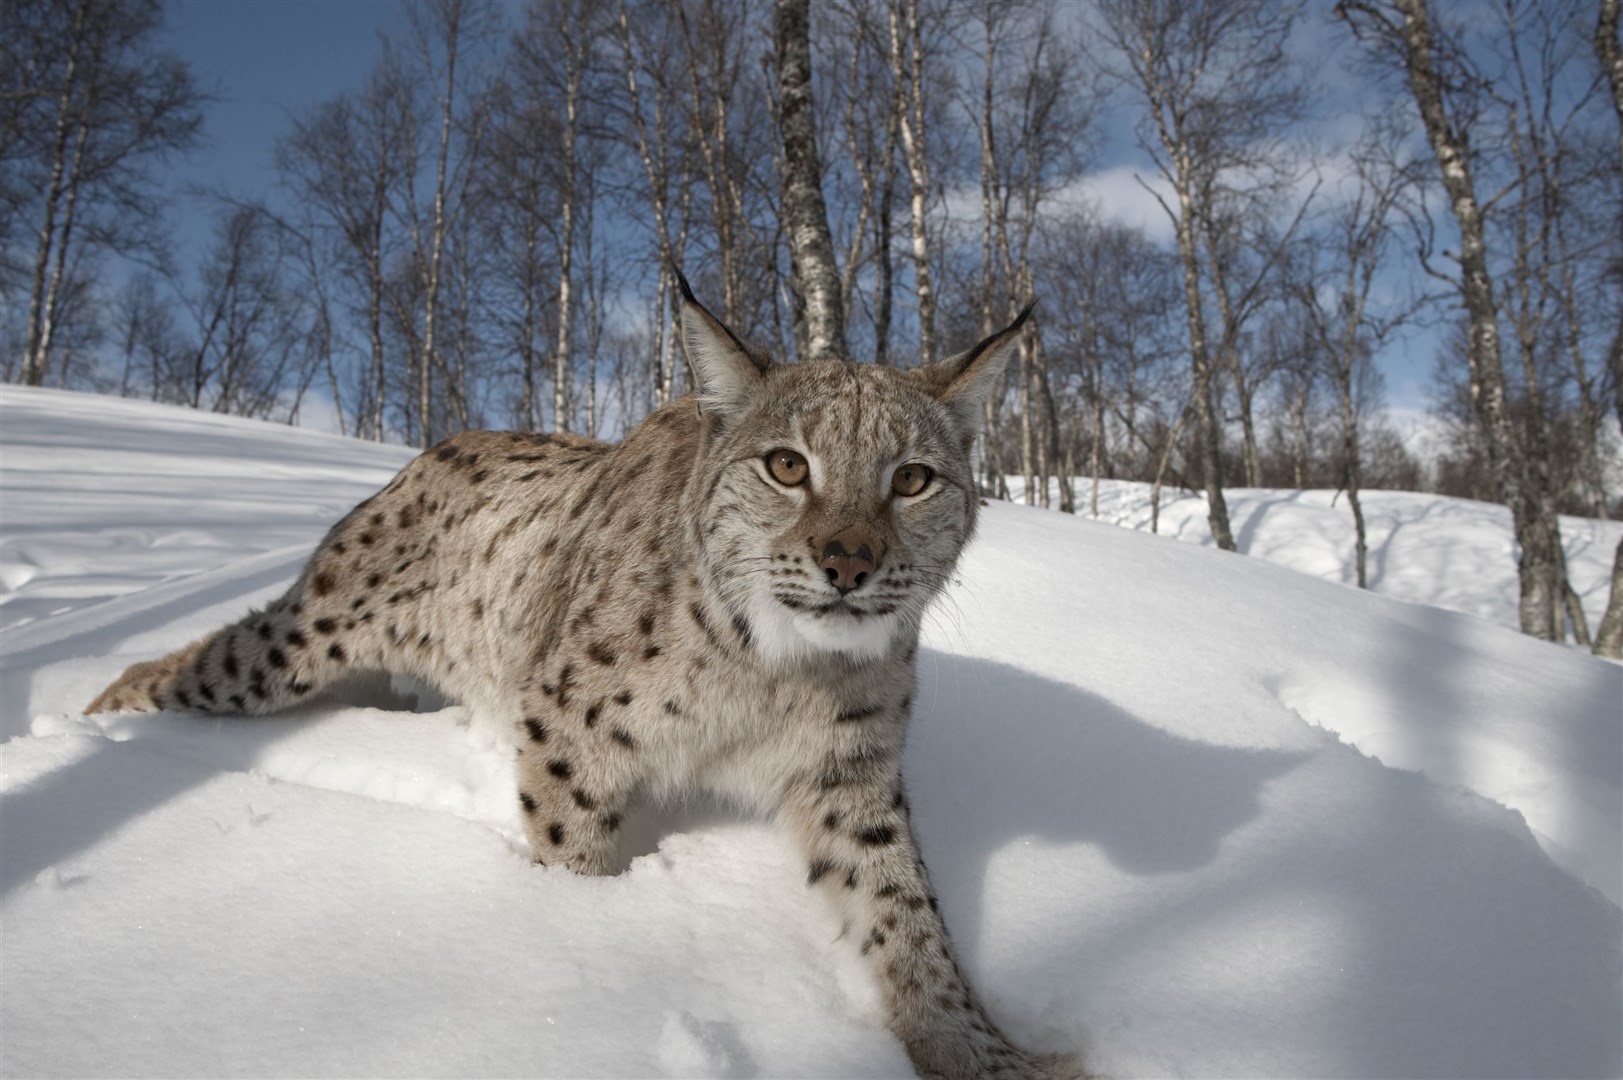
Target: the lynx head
pixel 832 499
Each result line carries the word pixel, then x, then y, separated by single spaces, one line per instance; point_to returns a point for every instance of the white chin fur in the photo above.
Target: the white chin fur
pixel 782 634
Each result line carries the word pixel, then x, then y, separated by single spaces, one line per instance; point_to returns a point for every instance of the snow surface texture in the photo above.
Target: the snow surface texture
pixel 1196 813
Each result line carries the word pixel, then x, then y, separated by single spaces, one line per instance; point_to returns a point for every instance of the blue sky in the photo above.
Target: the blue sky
pixel 267 60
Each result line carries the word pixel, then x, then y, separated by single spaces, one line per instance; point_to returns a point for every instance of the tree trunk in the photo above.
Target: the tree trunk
pixel 328 367
pixel 1243 393
pixel 1051 451
pixel 1571 613
pixel 1165 459
pixel 431 277
pixel 594 319
pixel 1361 549
pixel 1228 349
pixel 994 482
pixel 33 372
pixel 654 165
pixel 53 292
pixel 1609 636
pixel 1028 466
pixel 1610 53
pixel 815 278
pixel 527 319
pixel 563 397
pixel 885 287
pixel 657 375
pixel 912 122
pixel 1352 476
pixel 1298 416
pixel 374 307
pixel 1537 563
pixel 710 118
pixel 995 476
pixel 1096 449
pixel 562 405
pixel 1210 433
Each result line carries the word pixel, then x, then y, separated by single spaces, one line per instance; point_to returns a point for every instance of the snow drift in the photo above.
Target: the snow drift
pixel 1192 812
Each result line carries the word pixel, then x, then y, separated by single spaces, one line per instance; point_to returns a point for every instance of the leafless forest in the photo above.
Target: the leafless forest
pixel 483 233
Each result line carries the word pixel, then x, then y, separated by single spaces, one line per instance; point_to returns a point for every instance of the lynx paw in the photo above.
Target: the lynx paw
pixel 149 686
pixel 1023 1066
pixel 136 690
pixel 1059 1067
pixel 997 1060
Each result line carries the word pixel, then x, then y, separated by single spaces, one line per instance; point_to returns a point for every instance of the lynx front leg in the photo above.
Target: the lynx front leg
pixel 861 850
pixel 576 771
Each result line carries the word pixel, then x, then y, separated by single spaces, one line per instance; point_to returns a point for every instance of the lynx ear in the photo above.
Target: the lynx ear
pixel 728 372
pixel 964 382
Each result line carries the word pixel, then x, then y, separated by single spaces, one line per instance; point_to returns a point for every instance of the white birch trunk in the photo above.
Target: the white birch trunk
pixel 431 278
pixel 815 278
pixel 1536 565
pixel 39 314
pixel 912 125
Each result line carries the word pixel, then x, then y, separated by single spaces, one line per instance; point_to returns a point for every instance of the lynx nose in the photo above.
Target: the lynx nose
pixel 848 559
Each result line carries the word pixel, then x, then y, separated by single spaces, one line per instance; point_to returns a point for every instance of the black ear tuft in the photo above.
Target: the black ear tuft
pixel 1025 313
pixel 682 284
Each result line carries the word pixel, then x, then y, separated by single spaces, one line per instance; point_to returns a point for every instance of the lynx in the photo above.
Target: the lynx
pixel 728 600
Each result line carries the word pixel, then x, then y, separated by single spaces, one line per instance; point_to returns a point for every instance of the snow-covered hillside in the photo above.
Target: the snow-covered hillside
pixel 1451 553
pixel 1193 812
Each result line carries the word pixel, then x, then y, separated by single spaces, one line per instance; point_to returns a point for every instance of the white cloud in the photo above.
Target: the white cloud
pixel 1113 195
pixel 1122 195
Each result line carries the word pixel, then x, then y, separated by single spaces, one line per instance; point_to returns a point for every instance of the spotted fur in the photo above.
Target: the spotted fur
pixel 663 615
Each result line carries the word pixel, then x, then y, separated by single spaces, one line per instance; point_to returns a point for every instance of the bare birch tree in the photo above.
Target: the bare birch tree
pixel 342 164
pixel 444 33
pixel 861 196
pixel 1114 331
pixel 572 37
pixel 814 278
pixel 729 116
pixel 648 54
pixel 907 52
pixel 1346 320
pixel 1405 29
pixel 118 107
pixel 1214 80
pixel 1609 52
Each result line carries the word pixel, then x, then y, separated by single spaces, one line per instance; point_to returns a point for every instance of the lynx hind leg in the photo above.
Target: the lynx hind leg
pixel 267 661
pixel 324 627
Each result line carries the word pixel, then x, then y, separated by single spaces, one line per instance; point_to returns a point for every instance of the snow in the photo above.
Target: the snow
pixel 1196 813
pixel 1450 553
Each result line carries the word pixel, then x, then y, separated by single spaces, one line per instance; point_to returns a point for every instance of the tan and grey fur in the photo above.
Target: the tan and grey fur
pixel 664 615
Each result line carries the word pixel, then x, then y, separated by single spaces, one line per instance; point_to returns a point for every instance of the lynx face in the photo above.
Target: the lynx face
pixel 833 498
pixel 837 507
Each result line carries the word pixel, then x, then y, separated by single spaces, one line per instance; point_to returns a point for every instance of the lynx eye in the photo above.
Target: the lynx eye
pixel 787 467
pixel 911 479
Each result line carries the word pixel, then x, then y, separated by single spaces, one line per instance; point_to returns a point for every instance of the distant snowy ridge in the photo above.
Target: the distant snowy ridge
pixel 1195 813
